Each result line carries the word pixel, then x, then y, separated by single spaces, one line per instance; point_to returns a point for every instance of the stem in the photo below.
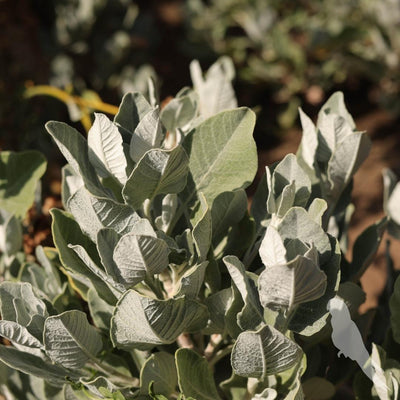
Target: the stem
pixel 220 355
pixel 125 379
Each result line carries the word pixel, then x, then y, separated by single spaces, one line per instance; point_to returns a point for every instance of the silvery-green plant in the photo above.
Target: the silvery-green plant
pixel 180 290
pixel 19 187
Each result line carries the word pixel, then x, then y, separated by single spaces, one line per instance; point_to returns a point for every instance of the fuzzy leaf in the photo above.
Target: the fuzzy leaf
pixel 138 255
pixel 215 90
pixel 19 175
pixel 217 149
pixel 66 232
pixel 297 224
pixel 194 376
pixel 160 368
pixel 227 209
pixel 34 365
pixel 132 109
pixel 264 352
pixel 202 230
pixel 75 149
pixel 158 172
pixel 272 250
pixel 70 340
pixel 292 283
pixel 18 335
pixel 10 233
pixel 147 135
pixel 106 153
pixel 251 314
pixel 160 321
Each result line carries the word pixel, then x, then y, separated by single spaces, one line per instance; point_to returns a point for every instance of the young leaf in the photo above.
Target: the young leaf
pixel 264 352
pixel 19 175
pixel 70 340
pixel 141 322
pixel 272 250
pixel 194 376
pixel 215 90
pixel 158 172
pixel 106 153
pixel 217 149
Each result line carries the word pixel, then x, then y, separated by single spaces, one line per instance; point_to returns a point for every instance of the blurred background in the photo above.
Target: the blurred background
pixel 286 54
pixel 59 57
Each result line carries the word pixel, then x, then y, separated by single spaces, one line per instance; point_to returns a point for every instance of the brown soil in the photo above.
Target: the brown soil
pixel 367 193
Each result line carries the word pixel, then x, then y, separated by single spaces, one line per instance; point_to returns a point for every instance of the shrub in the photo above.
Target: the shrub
pixel 164 285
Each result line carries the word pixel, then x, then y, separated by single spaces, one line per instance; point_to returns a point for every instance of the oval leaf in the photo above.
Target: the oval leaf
pixel 264 352
pixel 70 340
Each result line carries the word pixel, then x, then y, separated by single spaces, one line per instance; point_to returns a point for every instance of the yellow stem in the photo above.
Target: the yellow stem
pixel 67 98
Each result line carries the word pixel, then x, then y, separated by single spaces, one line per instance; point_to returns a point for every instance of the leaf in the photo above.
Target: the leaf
pixel 120 217
pixel 157 172
pixel 10 233
pixel 147 135
pixel 258 208
pixel 218 305
pixel 192 281
pixel 286 172
pixel 349 155
pixel 100 310
pixel 298 281
pixel 215 91
pixel 160 321
pixel 297 224
pixel 309 142
pixel 33 365
pixel 18 335
pixel 132 109
pixel 364 250
pixel 70 183
pixel 160 368
pixel 218 149
pixel 70 340
pixel 202 229
pixel 251 314
pixel 67 232
pixel 75 149
pixel 19 303
pixel 194 376
pixel 311 317
pixel 264 352
pixel 79 205
pixel 179 111
pixel 272 249
pixel 19 176
pixel 106 153
pixel 227 209
pixel 138 255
